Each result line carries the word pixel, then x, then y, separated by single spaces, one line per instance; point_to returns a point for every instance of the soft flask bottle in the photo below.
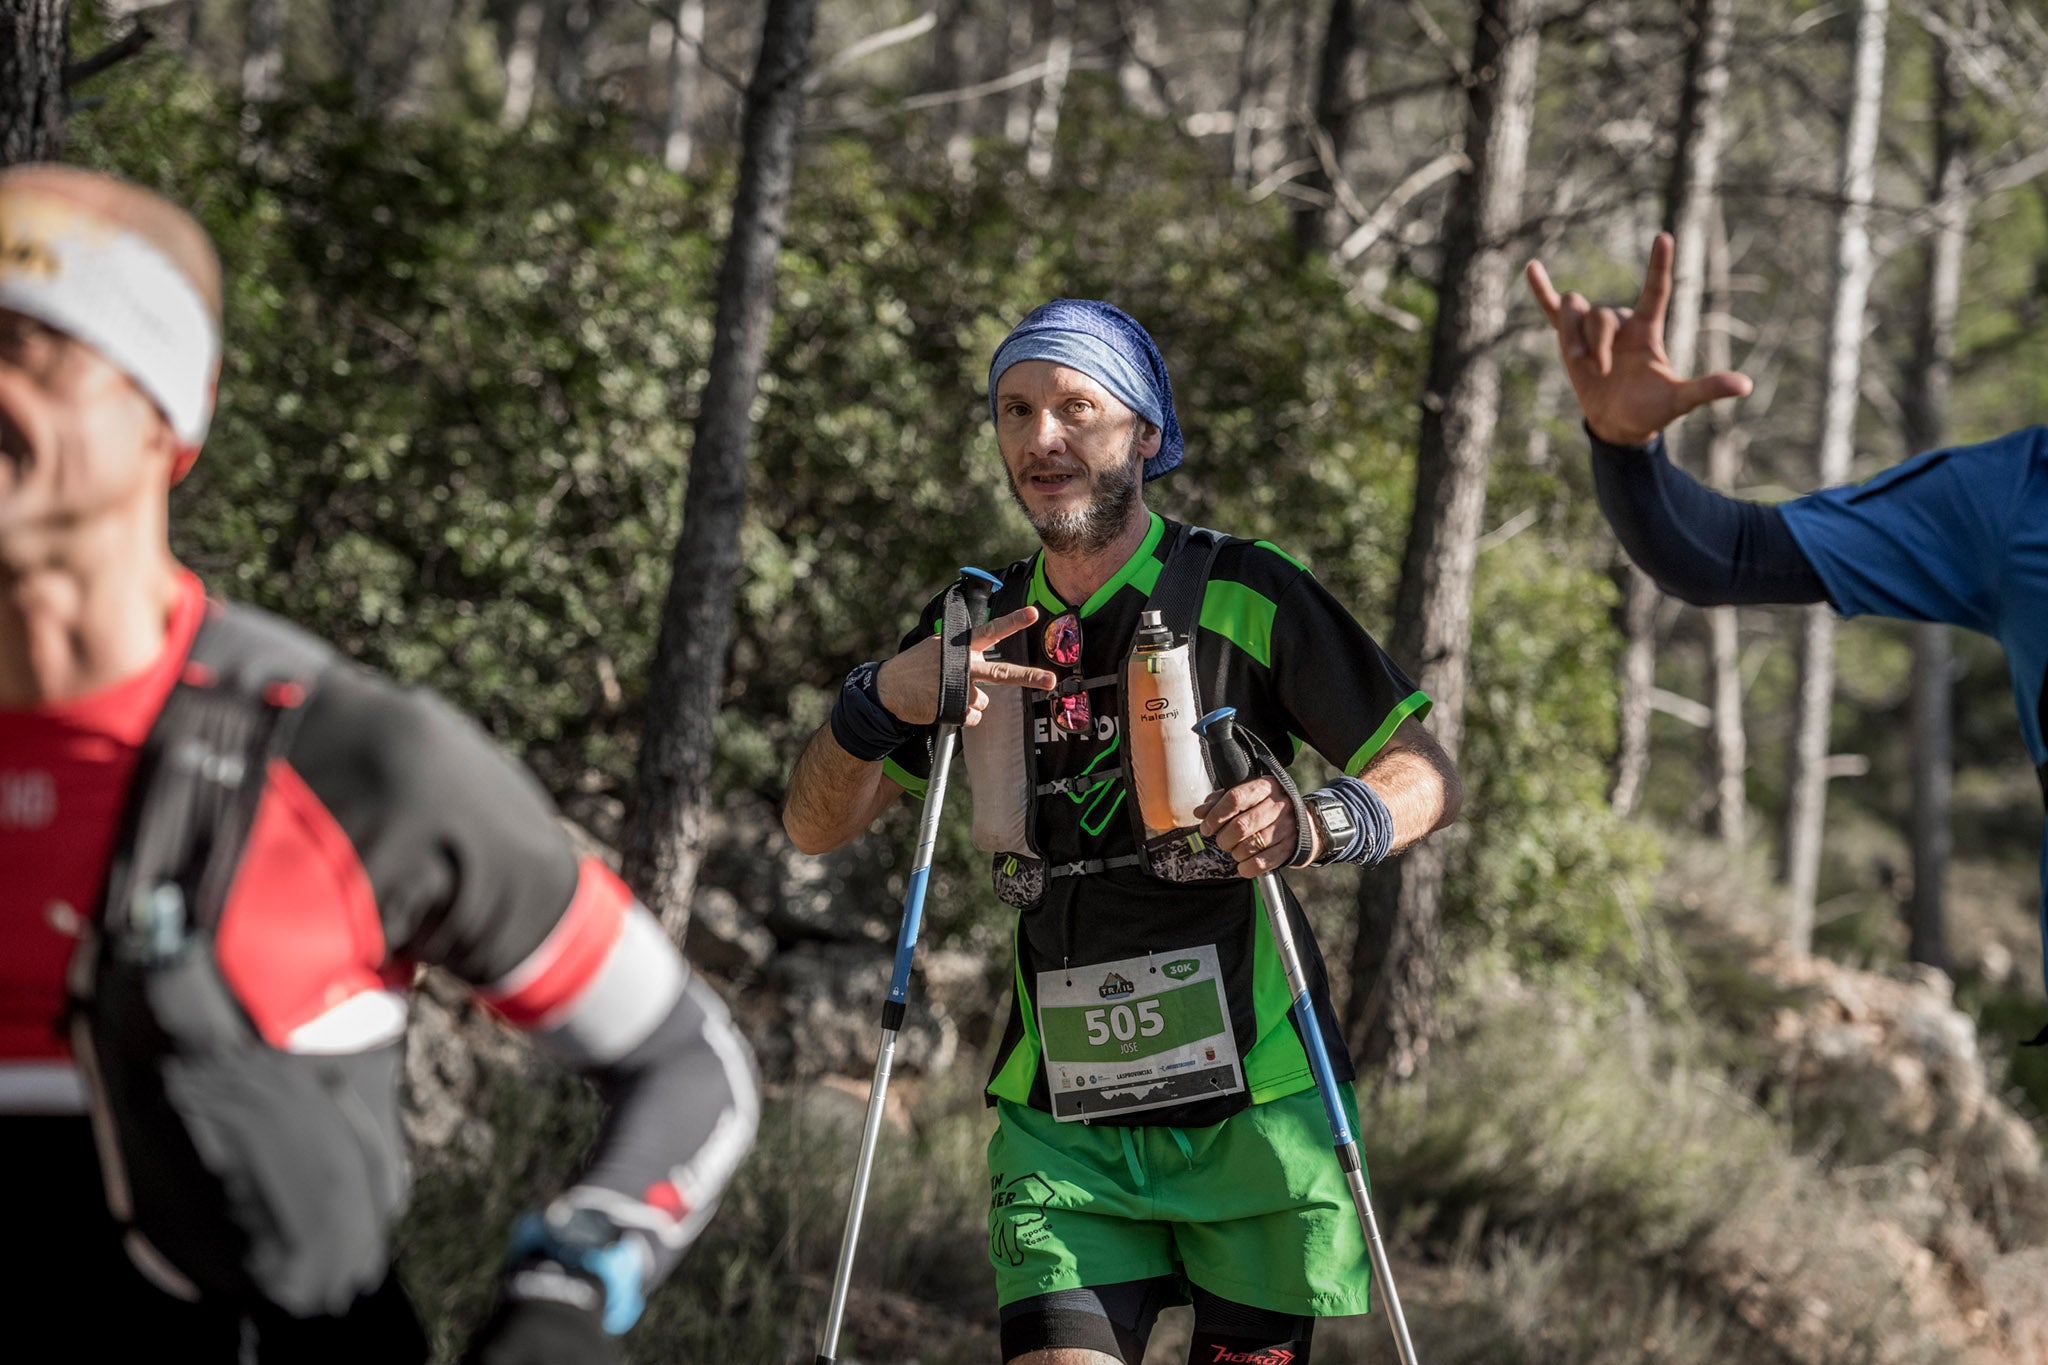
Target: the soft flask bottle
pixel 1168 771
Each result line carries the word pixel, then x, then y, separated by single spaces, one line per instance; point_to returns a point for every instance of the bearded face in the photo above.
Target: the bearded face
pixel 1075 454
pixel 1092 524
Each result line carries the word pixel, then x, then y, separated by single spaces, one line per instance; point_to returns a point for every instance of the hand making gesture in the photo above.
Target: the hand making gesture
pixel 909 683
pixel 1616 359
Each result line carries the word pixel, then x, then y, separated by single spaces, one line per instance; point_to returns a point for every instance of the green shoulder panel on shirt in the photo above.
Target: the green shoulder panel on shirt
pixel 1269 545
pixel 1241 615
pixel 1414 704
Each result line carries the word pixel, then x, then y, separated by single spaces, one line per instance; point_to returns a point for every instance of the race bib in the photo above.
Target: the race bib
pixel 1143 1033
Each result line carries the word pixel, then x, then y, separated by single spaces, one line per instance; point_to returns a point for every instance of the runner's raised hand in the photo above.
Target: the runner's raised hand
pixel 1616 359
pixel 909 683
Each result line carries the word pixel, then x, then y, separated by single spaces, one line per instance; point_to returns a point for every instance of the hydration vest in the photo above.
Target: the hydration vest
pixel 240 1171
pixel 1002 755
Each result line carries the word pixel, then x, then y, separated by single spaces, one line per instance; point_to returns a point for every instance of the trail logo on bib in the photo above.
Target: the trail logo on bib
pixel 1152 1035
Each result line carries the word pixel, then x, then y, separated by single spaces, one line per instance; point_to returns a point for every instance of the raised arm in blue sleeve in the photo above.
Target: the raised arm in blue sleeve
pixel 1699 546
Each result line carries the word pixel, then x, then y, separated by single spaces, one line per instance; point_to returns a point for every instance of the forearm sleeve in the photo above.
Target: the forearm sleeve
pixel 1699 546
pixel 681 1111
pixel 682 1102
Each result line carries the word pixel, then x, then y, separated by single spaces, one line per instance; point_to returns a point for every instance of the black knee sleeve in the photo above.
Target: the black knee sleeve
pixel 1231 1333
pixel 1115 1319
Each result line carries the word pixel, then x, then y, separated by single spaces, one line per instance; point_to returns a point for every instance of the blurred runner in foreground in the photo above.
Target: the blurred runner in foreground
pixel 224 851
pixel 1959 536
pixel 1159 1135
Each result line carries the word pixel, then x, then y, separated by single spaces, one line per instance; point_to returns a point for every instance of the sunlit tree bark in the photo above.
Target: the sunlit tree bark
pixel 665 834
pixel 1391 1014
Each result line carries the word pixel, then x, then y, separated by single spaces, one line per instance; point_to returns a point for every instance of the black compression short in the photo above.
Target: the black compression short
pixel 1117 1320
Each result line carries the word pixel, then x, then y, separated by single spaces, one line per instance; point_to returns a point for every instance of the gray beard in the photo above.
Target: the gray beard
pixel 1093 528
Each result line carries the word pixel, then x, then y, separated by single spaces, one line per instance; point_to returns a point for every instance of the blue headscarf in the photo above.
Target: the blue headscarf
pixel 1108 346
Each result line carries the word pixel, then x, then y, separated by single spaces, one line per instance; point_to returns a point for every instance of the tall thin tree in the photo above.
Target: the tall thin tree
pixel 522 61
pixel 1854 264
pixel 1688 201
pixel 1340 87
pixel 1391 1014
pixel 665 835
pixel 1052 90
pixel 685 72
pixel 1241 130
pixel 1926 411
pixel 34 48
pixel 1730 736
pixel 263 51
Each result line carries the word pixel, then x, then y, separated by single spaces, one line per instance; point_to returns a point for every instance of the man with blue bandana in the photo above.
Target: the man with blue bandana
pixel 1958 536
pixel 1217 1185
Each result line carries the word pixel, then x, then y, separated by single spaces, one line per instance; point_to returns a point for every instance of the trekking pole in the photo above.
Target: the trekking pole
pixel 1233 766
pixel 966 604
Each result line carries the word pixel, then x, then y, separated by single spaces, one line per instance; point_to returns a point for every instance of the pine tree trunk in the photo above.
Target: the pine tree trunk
pixel 569 71
pixel 685 71
pixel 263 51
pixel 1927 429
pixel 1045 119
pixel 1136 78
pixel 522 63
pixel 1688 202
pixel 948 68
pixel 354 24
pixel 1639 599
pixel 1340 86
pixel 1241 102
pixel 433 26
pixel 1391 1015
pixel 1023 42
pixel 1806 805
pixel 1730 738
pixel 35 46
pixel 664 838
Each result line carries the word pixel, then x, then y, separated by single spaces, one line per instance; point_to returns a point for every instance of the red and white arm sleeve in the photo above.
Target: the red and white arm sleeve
pixel 609 994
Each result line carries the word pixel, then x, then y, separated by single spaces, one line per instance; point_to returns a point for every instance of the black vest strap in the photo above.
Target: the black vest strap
pixel 200 776
pixel 1081 784
pixel 1184 579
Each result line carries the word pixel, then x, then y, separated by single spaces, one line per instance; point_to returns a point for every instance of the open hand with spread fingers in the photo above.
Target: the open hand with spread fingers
pixel 1616 359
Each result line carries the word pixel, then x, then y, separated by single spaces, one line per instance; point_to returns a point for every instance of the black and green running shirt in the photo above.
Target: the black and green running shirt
pixel 1299 669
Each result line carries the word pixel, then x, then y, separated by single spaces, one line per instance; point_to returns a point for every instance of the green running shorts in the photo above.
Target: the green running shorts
pixel 1254 1208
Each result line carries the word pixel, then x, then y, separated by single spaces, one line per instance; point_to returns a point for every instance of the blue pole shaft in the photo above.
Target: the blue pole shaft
pixel 893 1009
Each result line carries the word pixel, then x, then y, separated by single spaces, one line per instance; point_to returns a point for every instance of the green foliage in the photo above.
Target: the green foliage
pixel 1557 881
pixel 455 408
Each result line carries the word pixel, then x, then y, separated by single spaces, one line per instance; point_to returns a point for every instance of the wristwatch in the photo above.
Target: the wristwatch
pixel 1333 819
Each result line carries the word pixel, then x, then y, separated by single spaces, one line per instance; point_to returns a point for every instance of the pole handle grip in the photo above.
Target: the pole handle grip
pixel 965 606
pixel 1227 756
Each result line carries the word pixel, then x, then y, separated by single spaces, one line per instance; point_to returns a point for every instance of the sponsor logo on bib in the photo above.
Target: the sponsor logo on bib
pixel 1115 987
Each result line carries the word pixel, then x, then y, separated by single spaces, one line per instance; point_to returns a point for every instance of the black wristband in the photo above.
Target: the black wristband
pixel 861 724
pixel 1372 833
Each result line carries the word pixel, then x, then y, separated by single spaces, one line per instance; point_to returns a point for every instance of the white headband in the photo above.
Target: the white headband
pixel 119 295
